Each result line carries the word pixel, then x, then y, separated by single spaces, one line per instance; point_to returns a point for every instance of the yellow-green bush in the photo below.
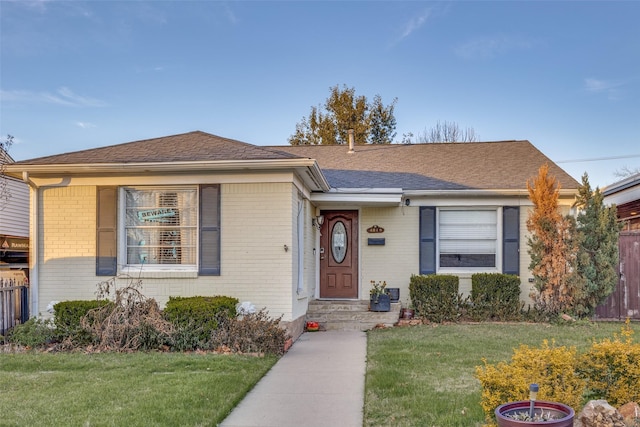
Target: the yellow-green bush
pixel 612 369
pixel 553 368
pixel 609 370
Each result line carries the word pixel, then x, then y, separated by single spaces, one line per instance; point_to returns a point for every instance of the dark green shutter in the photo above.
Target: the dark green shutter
pixel 107 235
pixel 209 230
pixel 427 240
pixel 511 240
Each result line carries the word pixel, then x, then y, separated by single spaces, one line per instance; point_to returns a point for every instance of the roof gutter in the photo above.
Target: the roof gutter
pixel 313 170
pixel 479 193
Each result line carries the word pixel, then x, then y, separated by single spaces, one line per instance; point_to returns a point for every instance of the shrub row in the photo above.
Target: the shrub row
pixel 133 322
pixel 493 296
pixel 609 370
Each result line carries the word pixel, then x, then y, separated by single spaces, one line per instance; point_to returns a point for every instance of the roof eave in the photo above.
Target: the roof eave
pixel 308 169
pixel 481 192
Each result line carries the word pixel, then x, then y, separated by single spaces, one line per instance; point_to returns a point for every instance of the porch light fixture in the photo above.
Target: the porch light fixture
pixel 318 221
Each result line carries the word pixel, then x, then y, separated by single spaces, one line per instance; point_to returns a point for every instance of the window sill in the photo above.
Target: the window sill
pixel 467 270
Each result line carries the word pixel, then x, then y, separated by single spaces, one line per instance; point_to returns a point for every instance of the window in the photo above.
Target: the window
pixel 161 226
pixel 165 228
pixel 469 239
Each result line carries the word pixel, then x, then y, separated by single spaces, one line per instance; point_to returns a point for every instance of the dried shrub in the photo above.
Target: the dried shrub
pixel 611 368
pixel 251 333
pixel 68 316
pixel 552 368
pixel 133 322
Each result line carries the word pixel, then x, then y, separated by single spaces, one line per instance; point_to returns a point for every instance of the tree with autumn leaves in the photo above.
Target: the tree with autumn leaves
pixel 572 261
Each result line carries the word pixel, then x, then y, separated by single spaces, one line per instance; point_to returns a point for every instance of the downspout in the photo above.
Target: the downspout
pixel 33 244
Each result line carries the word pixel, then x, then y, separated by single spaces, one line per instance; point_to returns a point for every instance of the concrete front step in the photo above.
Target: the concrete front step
pixel 350 315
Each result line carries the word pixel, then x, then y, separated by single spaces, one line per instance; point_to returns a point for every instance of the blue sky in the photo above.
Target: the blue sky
pixel 564 74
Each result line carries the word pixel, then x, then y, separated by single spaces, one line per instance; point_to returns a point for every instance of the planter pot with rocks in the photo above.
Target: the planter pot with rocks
pixel 547 414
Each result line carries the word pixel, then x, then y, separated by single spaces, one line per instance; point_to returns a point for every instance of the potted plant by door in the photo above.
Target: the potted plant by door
pixel 379 299
pixel 534 412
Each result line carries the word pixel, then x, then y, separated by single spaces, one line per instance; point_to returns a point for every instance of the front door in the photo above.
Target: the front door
pixel 339 255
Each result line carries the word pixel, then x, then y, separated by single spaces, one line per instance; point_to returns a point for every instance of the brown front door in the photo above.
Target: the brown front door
pixel 339 255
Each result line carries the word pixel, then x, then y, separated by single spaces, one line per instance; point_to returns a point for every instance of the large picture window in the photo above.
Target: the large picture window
pixel 158 228
pixel 161 226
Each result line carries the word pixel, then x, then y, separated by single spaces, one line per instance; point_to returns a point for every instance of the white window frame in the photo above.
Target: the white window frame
pixel 498 241
pixel 134 269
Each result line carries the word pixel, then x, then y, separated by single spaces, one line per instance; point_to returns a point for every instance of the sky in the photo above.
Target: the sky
pixel 564 75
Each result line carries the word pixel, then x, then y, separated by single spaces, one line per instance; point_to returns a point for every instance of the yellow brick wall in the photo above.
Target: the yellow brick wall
pixel 398 259
pixel 255 226
pixel 66 245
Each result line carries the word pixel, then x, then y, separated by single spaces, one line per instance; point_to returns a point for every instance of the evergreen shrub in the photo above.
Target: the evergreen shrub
pixel 435 297
pixel 495 296
pixel 32 333
pixel 197 317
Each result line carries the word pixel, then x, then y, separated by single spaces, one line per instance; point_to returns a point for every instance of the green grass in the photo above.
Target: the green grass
pixel 136 389
pixel 424 375
pixel 416 376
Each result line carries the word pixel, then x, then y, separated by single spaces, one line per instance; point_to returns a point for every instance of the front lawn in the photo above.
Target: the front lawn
pixel 118 389
pixel 424 375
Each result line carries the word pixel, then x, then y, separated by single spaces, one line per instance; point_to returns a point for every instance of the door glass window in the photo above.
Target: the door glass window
pixel 339 242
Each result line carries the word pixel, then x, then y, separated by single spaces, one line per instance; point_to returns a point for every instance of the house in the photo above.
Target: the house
pixel 625 300
pixel 279 226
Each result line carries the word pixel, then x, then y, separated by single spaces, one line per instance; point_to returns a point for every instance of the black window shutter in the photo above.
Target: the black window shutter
pixel 511 240
pixel 209 230
pixel 427 240
pixel 106 229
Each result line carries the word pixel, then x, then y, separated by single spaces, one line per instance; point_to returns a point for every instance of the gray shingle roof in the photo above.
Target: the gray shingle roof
pixel 505 165
pixel 192 146
pixel 441 166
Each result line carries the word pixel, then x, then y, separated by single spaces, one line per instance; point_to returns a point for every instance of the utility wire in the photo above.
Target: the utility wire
pixel 597 159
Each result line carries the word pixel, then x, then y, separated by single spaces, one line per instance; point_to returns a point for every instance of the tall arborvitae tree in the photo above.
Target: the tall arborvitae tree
pixel 373 123
pixel 552 246
pixel 598 256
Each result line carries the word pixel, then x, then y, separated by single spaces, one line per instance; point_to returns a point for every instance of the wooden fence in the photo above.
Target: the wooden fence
pixel 625 301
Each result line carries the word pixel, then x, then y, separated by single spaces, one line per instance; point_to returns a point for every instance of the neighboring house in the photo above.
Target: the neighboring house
pixel 14 248
pixel 197 214
pixel 625 300
pixel 625 194
pixel 14 221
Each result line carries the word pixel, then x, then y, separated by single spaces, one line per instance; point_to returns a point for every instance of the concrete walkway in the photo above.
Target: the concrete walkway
pixel 319 382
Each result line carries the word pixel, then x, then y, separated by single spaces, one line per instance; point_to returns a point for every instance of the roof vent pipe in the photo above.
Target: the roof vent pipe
pixel 351 138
